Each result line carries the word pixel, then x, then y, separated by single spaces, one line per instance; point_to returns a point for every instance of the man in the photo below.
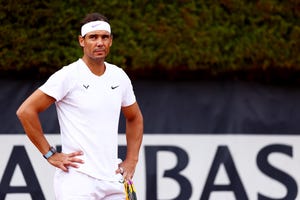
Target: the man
pixel 89 95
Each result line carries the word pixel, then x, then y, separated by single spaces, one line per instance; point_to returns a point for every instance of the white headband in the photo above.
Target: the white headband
pixel 95 26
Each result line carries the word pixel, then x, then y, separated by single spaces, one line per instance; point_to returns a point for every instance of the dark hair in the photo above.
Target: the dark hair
pixel 93 17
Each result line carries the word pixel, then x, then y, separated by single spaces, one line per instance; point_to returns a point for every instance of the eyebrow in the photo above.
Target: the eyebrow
pixel 100 35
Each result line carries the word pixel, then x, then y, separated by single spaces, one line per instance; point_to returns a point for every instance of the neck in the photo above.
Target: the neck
pixel 97 67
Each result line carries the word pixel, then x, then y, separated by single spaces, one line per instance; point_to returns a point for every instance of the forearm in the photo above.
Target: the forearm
pixel 32 127
pixel 134 137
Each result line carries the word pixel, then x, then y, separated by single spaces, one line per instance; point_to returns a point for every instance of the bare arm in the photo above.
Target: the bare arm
pixel 134 136
pixel 28 114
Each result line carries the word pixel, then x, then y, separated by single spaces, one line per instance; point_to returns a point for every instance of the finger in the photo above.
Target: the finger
pixel 69 162
pixel 120 170
pixel 73 162
pixel 64 168
pixel 76 153
pixel 127 176
pixel 76 160
pixel 73 165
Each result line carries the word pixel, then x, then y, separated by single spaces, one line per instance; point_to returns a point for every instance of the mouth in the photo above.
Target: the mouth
pixel 99 51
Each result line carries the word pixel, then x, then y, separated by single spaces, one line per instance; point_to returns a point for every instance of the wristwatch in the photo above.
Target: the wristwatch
pixel 50 153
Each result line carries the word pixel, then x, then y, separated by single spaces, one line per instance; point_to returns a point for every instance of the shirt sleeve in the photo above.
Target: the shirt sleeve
pixel 128 97
pixel 58 84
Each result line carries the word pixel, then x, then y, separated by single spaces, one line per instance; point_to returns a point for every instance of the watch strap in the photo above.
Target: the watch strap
pixel 50 153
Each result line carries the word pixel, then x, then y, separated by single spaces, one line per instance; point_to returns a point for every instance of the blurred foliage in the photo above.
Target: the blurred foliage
pixel 156 39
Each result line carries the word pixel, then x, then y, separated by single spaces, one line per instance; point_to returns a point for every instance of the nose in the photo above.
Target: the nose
pixel 99 41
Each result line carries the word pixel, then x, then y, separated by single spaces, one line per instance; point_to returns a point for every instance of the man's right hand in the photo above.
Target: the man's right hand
pixel 64 161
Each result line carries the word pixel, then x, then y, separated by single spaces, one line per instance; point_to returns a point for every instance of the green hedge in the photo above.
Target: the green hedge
pixel 155 38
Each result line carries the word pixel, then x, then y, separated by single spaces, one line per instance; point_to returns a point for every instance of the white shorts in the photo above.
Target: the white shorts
pixel 74 185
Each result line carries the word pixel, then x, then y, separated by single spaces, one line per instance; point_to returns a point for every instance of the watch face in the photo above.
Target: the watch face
pixel 50 153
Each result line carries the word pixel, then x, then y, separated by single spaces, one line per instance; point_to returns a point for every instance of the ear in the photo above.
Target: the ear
pixel 81 41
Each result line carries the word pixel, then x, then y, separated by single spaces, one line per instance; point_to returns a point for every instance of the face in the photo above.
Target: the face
pixel 96 44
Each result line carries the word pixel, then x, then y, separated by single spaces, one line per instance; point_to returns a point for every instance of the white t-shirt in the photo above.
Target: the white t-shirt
pixel 88 109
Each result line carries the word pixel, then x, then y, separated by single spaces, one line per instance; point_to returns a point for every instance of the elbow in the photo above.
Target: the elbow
pixel 140 122
pixel 22 113
pixel 139 119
